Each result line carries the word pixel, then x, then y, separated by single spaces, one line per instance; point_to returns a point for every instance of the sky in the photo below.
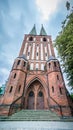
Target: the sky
pixel 17 18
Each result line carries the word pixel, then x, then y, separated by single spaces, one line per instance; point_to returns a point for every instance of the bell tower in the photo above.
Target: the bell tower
pixel 57 89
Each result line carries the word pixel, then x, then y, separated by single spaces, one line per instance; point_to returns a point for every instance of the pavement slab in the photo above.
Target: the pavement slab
pixel 35 125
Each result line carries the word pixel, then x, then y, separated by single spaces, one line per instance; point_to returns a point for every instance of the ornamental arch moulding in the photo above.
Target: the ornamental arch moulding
pixel 40 80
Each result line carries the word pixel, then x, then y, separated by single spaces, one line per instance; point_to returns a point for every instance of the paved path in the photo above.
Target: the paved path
pixel 36 125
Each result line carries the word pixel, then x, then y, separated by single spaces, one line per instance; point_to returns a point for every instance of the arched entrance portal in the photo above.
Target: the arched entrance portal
pixel 35 96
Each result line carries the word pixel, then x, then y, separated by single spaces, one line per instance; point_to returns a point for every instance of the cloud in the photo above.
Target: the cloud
pixel 47 7
pixel 15 21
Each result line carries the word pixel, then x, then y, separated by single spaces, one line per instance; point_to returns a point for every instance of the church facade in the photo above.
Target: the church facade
pixel 36 81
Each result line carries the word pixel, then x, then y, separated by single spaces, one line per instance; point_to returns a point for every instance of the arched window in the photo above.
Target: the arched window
pixel 52 89
pixel 19 88
pixel 57 77
pixel 18 62
pixel 58 62
pixel 37 53
pixel 31 39
pixel 40 94
pixel 37 66
pixel 31 66
pixel 44 39
pixel 10 89
pixel 60 90
pixel 49 65
pixel 45 54
pixel 31 94
pixel 28 53
pixel 55 64
pixel 42 66
pixel 24 64
pixel 14 75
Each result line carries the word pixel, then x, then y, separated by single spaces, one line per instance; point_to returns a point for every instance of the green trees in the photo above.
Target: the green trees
pixel 71 96
pixel 64 45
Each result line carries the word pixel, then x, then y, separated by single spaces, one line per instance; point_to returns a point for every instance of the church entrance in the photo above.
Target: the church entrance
pixel 35 98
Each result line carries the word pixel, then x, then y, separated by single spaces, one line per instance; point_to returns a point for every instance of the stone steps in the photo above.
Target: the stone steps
pixel 32 115
pixel 35 115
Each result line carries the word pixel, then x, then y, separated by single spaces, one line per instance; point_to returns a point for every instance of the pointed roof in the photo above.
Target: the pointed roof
pixel 33 31
pixel 51 58
pixel 23 57
pixel 43 32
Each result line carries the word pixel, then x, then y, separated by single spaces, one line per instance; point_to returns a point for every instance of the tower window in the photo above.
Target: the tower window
pixel 52 89
pixel 44 39
pixel 11 89
pixel 42 66
pixel 14 75
pixel 19 88
pixel 18 62
pixel 37 53
pixel 55 64
pixel 28 67
pixel 58 62
pixel 31 66
pixel 57 77
pixel 28 53
pixel 31 39
pixel 24 64
pixel 60 90
pixel 37 66
pixel 45 54
pixel 49 65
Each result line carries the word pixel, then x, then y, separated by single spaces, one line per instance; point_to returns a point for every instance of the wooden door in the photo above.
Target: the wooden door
pixel 30 100
pixel 40 101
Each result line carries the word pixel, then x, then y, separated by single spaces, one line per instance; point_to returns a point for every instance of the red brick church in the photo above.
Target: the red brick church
pixel 36 81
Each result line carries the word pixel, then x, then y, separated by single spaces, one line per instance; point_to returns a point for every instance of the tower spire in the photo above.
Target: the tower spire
pixel 43 32
pixel 33 31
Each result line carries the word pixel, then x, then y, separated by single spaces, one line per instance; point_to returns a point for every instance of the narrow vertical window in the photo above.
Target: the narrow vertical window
pixel 60 90
pixel 18 62
pixel 52 89
pixel 37 66
pixel 14 75
pixel 37 53
pixel 24 64
pixel 31 66
pixel 57 77
pixel 42 66
pixel 11 89
pixel 19 88
pixel 45 54
pixel 28 53
pixel 55 64
pixel 49 65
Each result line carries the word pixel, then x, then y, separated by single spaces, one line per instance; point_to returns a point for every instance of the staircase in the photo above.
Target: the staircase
pixel 32 115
